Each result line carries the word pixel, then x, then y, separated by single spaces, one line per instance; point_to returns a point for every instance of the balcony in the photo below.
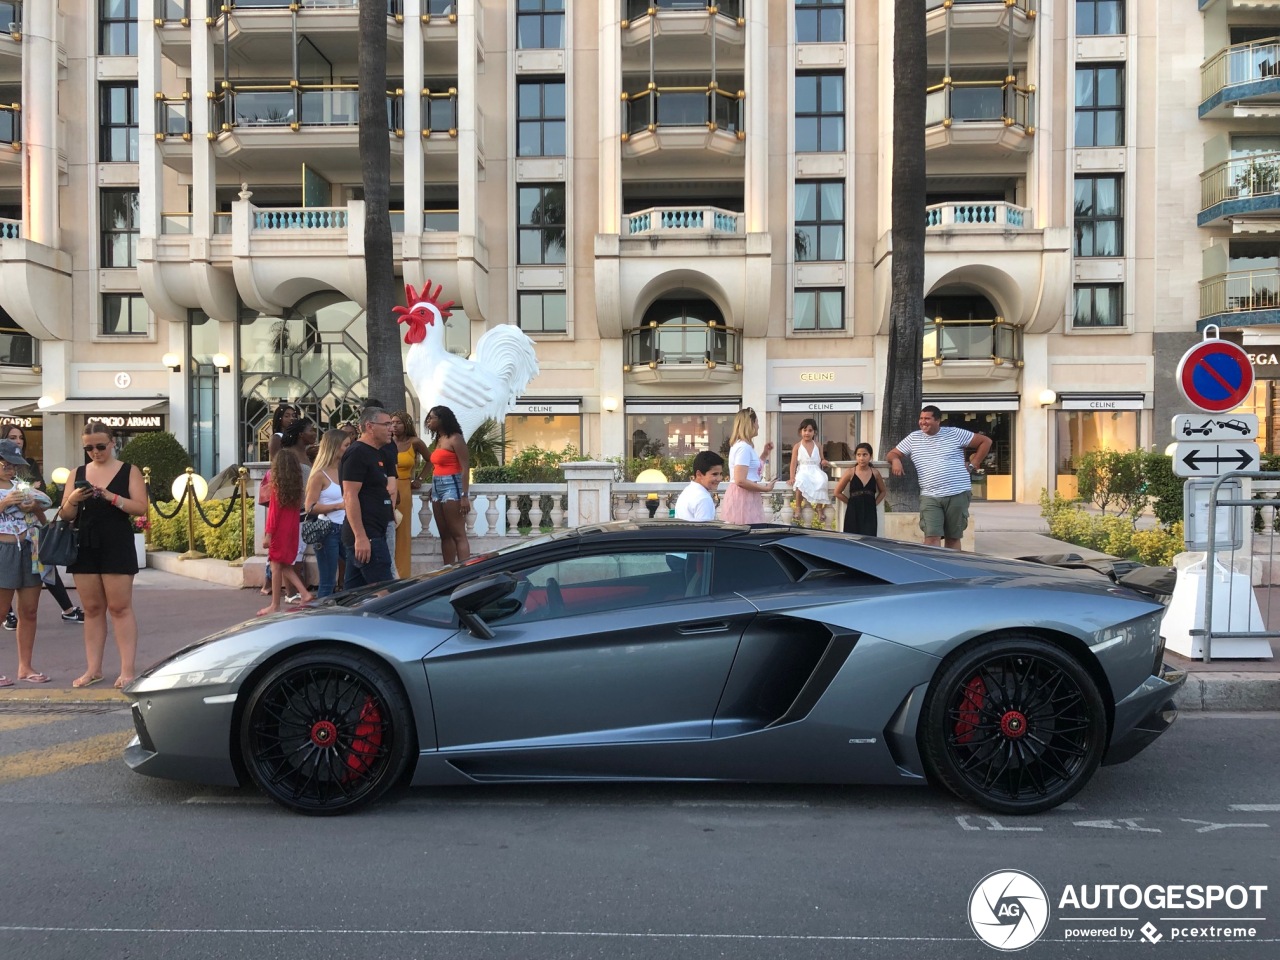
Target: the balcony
pixel 1243 190
pixel 18 348
pixel 680 34
pixel 981 119
pixel 11 124
pixel 967 215
pixel 984 26
pixel 265 31
pixel 35 284
pixel 1242 80
pixel 173 132
pixel 10 229
pixel 971 350
pixel 683 223
pixel 682 119
pixel 1242 298
pixel 683 353
pixel 11 38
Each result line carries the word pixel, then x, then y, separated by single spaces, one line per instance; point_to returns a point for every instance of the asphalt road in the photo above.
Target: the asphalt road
pixel 101 863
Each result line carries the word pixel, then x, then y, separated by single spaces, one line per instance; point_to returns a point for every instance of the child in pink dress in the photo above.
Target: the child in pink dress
pixel 282 534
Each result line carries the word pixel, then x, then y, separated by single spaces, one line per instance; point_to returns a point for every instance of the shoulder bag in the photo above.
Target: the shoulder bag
pixel 59 543
pixel 314 528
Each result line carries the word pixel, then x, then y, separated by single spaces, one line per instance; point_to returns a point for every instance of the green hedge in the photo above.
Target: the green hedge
pixel 1112 535
pixel 222 542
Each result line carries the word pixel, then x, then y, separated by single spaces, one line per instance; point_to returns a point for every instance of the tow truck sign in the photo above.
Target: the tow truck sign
pixel 1221 426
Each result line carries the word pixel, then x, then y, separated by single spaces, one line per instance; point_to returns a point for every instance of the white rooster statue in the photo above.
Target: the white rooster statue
pixel 485 386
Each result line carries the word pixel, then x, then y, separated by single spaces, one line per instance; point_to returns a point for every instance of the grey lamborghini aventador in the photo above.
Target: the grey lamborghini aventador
pixel 667 650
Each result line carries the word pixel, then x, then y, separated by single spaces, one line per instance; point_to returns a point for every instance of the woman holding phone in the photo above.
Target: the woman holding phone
pixel 103 501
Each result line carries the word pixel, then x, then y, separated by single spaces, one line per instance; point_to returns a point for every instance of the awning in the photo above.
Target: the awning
pixel 971 402
pixel 718 405
pixel 101 406
pixel 819 403
pixel 545 406
pixel 1102 401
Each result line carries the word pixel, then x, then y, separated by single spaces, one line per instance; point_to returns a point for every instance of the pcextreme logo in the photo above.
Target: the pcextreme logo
pixel 1008 910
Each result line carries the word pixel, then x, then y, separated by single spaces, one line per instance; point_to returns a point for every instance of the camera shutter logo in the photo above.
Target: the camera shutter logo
pixel 1008 910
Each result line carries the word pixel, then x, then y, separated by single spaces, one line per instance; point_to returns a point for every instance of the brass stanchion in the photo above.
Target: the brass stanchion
pixel 242 475
pixel 190 493
pixel 146 482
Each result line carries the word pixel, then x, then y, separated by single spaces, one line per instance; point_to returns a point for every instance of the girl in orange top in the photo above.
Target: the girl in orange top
pixel 449 481
pixel 409 447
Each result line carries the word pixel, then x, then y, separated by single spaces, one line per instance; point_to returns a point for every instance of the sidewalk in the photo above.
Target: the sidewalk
pixel 174 610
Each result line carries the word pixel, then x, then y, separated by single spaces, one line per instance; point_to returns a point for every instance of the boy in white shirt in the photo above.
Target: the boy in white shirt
pixel 695 502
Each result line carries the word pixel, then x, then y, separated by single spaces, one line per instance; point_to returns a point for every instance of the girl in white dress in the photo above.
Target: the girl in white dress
pixel 808 471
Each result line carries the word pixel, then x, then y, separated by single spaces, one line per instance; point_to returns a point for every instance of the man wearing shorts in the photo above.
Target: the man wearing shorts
pixel 945 489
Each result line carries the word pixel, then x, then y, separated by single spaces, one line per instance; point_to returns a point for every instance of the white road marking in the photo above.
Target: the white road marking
pixel 1210 826
pixel 1255 807
pixel 1123 823
pixel 741 805
pixel 230 801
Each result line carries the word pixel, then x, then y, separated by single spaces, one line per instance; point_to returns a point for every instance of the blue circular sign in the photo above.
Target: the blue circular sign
pixel 1215 375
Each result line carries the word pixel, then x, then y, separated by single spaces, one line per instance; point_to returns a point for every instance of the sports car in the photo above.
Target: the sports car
pixel 665 650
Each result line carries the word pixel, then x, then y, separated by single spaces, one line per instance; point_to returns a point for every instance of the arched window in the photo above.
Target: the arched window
pixel 684 330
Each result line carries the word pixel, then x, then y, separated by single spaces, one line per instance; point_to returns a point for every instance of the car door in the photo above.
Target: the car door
pixel 610 645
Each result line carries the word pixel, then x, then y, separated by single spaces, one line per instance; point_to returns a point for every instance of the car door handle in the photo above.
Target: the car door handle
pixel 705 626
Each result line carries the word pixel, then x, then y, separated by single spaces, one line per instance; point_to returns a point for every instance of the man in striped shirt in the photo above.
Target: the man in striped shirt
pixel 945 489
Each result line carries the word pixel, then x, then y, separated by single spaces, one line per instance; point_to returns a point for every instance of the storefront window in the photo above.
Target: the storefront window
pixel 837 436
pixel 1085 431
pixel 996 480
pixel 677 434
pixel 202 344
pixel 545 431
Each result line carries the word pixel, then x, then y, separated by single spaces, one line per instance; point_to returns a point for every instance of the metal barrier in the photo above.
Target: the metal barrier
pixel 1255 560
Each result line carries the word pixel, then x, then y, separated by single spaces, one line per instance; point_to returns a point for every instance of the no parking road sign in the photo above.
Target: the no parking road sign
pixel 1215 375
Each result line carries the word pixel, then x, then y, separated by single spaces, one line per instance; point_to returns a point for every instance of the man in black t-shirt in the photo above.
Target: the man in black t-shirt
pixel 367 500
pixel 390 456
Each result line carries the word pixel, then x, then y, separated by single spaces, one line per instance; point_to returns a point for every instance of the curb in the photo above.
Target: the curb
pixel 1210 692
pixel 31 697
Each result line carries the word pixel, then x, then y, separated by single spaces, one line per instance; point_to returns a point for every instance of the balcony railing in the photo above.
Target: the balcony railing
pixel 708 107
pixel 689 344
pixel 173 119
pixel 1240 63
pixel 1026 6
pixel 976 214
pixel 979 101
pixel 725 8
pixel 394 7
pixel 221 224
pixel 440 111
pixel 172 11
pixel 1241 177
pixel 1240 291
pixel 10 229
pixel 682 221
pixel 10 123
pixel 18 349
pixel 279 105
pixel 991 340
pixel 300 218
pixel 433 221
pixel 11 17
pixel 175 223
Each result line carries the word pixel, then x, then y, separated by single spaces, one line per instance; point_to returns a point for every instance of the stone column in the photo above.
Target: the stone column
pixel 590 491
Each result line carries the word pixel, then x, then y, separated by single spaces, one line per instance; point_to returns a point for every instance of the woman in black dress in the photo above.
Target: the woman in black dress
pixel 861 490
pixel 103 500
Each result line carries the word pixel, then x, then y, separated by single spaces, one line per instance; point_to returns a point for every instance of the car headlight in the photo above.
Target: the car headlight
pixel 204 665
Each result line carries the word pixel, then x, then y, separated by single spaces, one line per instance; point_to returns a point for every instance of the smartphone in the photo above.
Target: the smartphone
pixel 83 485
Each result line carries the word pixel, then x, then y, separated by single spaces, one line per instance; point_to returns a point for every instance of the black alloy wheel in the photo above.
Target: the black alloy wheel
pixel 1016 726
pixel 326 732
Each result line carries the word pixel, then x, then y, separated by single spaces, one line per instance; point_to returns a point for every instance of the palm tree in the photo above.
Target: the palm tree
pixel 386 363
pixel 902 385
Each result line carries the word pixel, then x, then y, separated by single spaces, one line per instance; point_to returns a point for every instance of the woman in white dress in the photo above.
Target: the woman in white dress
pixel 808 471
pixel 741 502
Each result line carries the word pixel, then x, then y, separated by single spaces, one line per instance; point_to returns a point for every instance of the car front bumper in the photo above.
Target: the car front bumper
pixel 1145 714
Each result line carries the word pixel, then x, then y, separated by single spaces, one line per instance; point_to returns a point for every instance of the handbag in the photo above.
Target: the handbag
pixel 59 543
pixel 314 529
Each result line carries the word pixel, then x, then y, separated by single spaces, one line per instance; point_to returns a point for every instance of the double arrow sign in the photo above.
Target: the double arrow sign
pixel 1212 459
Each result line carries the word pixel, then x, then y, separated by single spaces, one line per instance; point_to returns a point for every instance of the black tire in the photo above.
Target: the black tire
pixel 326 732
pixel 1015 725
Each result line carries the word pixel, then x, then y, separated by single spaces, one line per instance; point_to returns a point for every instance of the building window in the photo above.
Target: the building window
pixel 1100 106
pixel 1099 17
pixel 124 315
pixel 542 220
pixel 118 28
pixel 1098 305
pixel 118 123
pixel 542 431
pixel 820 220
pixel 540 24
pixel 819 309
pixel 540 123
pixel 819 112
pixel 819 21
pixel 1099 217
pixel 119 228
pixel 541 311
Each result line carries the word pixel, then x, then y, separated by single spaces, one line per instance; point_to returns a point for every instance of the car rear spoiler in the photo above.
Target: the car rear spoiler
pixel 1154 582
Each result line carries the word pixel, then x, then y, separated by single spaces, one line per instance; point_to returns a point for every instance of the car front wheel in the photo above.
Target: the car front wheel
pixel 1016 726
pixel 326 732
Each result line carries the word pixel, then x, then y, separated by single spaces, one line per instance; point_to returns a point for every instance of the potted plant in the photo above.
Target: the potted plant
pixel 140 527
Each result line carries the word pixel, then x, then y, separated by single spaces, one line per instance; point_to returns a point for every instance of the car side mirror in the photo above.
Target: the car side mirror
pixel 474 596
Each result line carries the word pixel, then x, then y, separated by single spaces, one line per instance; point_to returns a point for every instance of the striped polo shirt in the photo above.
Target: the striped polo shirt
pixel 939 460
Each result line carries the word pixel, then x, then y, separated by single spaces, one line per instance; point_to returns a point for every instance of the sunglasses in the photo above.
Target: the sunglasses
pixel 90 447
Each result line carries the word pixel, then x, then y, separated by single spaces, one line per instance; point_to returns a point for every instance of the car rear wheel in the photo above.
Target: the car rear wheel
pixel 327 732
pixel 1016 726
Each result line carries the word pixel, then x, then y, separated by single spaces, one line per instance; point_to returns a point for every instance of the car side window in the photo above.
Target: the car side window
pixel 747 571
pixel 606 582
pixel 435 611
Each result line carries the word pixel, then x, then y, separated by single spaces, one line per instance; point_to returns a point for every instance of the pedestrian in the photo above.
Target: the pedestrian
pixel 283 521
pixel 324 499
pixel 741 502
pixel 938 454
pixel 411 452
pixel 861 489
pixel 285 414
pixel 696 502
pixel 21 516
pixel 450 478
pixel 30 474
pixel 367 499
pixel 102 501
pixel 390 454
pixel 809 471
pixel 299 439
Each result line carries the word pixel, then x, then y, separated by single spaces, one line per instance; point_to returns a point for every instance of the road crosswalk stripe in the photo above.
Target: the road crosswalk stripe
pixel 62 756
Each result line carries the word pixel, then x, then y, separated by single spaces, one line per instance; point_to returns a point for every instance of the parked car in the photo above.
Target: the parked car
pixel 668 650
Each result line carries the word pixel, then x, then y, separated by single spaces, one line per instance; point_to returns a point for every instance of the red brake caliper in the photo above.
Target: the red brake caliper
pixel 368 739
pixel 975 694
